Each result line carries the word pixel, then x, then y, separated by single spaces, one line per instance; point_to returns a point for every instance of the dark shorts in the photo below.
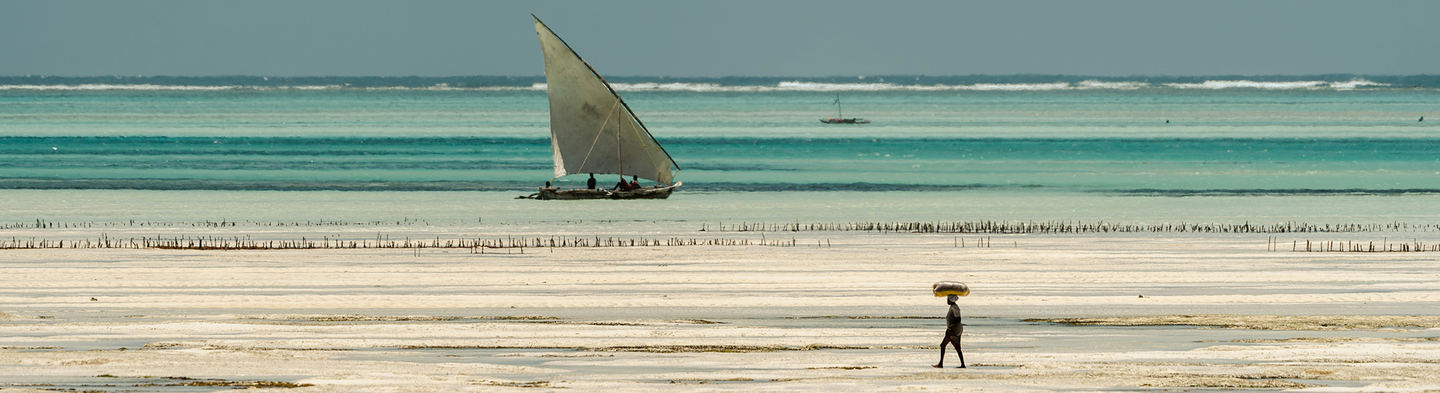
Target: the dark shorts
pixel 952 334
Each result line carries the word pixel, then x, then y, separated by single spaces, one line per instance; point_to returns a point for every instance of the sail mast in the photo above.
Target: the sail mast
pixel 619 157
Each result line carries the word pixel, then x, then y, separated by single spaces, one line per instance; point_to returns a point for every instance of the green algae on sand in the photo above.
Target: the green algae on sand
pixel 1261 322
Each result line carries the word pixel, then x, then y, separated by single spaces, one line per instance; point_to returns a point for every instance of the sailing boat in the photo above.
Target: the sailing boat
pixel 593 131
pixel 840 118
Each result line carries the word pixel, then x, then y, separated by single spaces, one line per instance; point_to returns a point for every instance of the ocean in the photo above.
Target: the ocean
pixel 1028 147
pixel 358 232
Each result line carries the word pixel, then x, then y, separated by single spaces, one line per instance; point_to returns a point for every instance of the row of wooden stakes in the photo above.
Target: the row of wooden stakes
pixel 42 224
pixel 1415 245
pixel 476 245
pixel 1065 227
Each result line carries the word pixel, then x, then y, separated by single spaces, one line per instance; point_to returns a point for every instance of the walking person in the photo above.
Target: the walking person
pixel 953 329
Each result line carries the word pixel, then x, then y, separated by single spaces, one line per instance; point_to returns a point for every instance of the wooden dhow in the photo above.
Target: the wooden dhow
pixel 593 131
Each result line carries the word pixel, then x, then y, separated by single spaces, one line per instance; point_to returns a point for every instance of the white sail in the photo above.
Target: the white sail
pixel 591 128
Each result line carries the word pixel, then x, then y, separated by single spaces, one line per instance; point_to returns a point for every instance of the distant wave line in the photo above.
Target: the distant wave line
pixel 153 87
pixel 341 142
pixel 1082 85
pixel 797 86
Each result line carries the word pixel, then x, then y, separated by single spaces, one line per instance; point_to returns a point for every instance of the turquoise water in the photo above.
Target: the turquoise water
pixel 1019 139
pixel 1149 165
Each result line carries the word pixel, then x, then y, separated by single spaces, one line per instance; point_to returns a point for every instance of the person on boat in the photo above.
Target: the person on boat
pixel 590 183
pixel 634 182
pixel 953 329
pixel 548 187
pixel 622 185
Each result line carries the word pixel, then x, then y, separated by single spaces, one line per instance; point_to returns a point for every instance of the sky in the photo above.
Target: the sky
pixel 719 38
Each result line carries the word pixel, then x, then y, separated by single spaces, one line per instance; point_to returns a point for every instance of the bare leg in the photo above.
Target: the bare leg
pixel 942 353
pixel 956 342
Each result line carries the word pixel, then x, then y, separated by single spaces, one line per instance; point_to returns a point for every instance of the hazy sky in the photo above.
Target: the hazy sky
pixel 720 38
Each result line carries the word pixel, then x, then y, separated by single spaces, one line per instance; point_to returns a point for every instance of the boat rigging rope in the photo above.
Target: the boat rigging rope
pixel 602 131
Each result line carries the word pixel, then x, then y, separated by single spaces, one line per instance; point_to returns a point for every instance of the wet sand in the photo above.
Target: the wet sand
pixel 1167 312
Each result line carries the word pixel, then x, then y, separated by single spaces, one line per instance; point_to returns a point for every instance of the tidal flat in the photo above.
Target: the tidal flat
pixel 1174 312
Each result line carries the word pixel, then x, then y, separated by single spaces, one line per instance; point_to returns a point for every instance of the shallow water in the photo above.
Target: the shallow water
pixel 1229 155
pixel 1244 141
pixel 356 164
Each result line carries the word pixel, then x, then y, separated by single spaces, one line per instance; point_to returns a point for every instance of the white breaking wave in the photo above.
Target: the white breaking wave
pixel 815 86
pixel 446 87
pixel 1094 84
pixel 112 87
pixel 1355 83
pixel 102 87
pixel 811 86
pixel 1013 86
pixel 1277 85
pixel 1082 85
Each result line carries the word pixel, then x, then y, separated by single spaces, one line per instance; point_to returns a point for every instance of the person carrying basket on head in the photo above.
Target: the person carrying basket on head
pixel 953 326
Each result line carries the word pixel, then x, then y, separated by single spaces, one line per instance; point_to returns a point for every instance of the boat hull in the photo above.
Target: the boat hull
pixel 565 195
pixel 569 195
pixel 832 120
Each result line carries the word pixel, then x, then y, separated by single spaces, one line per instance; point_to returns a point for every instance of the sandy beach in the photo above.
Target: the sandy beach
pixel 1047 313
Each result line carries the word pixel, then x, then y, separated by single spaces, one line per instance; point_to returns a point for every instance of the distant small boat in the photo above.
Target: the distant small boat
pixel 593 131
pixel 840 117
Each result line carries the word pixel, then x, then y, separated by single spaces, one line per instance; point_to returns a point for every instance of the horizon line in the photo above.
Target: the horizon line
pixel 857 76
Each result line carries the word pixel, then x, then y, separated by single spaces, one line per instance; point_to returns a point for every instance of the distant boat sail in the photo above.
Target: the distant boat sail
pixel 840 116
pixel 593 131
